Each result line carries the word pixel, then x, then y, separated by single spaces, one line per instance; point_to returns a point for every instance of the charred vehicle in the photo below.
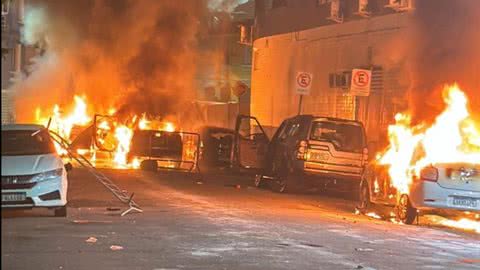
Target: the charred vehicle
pixel 448 186
pixel 305 151
pixel 151 147
pixel 217 144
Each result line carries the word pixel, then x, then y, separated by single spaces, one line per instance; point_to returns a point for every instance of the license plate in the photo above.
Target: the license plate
pixel 465 202
pixel 13 197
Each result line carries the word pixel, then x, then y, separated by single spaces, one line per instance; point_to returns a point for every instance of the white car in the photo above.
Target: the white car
pixel 33 174
pixel 442 186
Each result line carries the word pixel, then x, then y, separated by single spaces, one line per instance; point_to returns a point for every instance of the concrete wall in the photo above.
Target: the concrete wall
pixel 324 50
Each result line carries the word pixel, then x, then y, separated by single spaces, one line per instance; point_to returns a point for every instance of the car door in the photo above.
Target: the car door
pixel 250 143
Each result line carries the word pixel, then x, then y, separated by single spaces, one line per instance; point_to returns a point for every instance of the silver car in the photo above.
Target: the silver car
pixel 453 186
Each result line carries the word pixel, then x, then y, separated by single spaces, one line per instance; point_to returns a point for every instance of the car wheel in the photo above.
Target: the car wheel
pixel 258 181
pixel 61 212
pixel 149 165
pixel 363 198
pixel 406 213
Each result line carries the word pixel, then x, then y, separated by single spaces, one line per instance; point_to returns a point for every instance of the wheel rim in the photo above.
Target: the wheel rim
pixel 403 208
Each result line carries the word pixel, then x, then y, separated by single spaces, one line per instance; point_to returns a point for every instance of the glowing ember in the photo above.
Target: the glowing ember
pixel 123 134
pixel 453 138
pixel 136 163
pixel 373 215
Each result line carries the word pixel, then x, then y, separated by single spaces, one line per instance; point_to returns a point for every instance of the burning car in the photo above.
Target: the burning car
pixel 428 167
pixel 454 186
pixel 33 174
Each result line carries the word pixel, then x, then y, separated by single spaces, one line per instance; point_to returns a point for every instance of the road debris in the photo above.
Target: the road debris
pixel 363 249
pixel 91 239
pixel 115 247
pixel 199 183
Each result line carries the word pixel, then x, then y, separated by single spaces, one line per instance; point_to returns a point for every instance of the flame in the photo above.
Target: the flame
pixel 123 134
pixel 463 223
pixel 169 127
pixel 144 123
pixel 373 215
pixel 452 138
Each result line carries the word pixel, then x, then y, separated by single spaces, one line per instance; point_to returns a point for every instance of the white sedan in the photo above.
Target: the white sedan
pixel 439 187
pixel 33 175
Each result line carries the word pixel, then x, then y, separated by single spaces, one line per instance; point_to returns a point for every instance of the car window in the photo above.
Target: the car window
pixel 284 133
pixel 26 142
pixel 344 136
pixel 295 128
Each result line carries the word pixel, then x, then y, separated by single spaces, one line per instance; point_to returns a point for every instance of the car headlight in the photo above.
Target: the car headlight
pixel 48 175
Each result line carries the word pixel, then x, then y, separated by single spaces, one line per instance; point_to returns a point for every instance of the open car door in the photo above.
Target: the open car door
pixel 250 144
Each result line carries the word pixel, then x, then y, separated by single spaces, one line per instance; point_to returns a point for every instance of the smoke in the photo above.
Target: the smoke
pixel 136 56
pixel 446 50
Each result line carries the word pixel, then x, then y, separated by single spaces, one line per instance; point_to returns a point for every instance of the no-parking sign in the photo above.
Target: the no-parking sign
pixel 303 83
pixel 361 81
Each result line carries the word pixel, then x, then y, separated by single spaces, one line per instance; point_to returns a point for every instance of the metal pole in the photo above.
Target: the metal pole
pixel 300 105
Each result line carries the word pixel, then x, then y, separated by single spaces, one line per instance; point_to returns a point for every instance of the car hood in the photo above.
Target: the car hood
pixel 27 165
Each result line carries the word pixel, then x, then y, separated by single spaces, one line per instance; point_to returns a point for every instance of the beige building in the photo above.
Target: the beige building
pixel 329 51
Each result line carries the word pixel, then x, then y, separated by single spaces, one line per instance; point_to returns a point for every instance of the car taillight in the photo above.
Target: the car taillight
pixel 429 174
pixel 302 150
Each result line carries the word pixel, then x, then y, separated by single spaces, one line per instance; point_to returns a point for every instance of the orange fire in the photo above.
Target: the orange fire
pixel 452 138
pixel 123 134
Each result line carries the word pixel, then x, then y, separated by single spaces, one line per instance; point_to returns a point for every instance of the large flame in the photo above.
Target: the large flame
pixel 111 134
pixel 452 138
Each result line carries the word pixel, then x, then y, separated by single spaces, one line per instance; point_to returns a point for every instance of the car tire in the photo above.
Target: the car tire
pixel 61 211
pixel 149 165
pixel 363 198
pixel 406 213
pixel 258 181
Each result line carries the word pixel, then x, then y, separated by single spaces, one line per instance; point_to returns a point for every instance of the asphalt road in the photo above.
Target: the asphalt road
pixel 220 223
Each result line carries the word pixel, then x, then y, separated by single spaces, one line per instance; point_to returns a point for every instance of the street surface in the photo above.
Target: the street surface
pixel 220 223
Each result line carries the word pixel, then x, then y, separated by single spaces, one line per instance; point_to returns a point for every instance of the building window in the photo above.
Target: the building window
pixel 279 3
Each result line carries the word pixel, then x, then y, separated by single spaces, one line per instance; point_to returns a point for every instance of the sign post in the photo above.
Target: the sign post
pixel 361 81
pixel 303 83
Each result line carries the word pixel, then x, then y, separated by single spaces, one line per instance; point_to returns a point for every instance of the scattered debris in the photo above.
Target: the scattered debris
pixel 363 249
pixel 359 267
pixel 91 239
pixel 199 183
pixel 115 247
pixel 113 209
pixel 86 221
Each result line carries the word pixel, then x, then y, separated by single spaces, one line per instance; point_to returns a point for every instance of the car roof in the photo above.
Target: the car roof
pixel 31 127
pixel 316 117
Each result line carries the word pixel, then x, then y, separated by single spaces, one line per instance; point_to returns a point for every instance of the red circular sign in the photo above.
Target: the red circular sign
pixel 361 78
pixel 304 80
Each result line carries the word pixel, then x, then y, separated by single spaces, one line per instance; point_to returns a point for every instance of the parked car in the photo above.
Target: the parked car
pixel 305 150
pixel 154 148
pixel 439 187
pixel 33 175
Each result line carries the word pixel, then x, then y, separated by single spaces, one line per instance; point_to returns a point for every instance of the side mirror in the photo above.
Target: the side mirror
pixel 68 167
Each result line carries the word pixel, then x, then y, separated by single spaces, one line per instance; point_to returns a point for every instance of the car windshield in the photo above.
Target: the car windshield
pixel 344 136
pixel 26 142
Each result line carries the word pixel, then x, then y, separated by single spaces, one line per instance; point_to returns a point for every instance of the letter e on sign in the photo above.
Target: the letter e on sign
pixel 303 83
pixel 361 81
